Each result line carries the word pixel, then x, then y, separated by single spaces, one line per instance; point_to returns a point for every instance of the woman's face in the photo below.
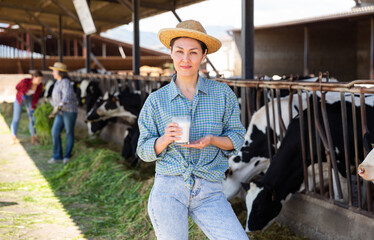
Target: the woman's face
pixel 37 80
pixel 56 74
pixel 187 56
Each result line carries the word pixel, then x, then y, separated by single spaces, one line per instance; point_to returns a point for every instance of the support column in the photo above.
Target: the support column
pixel 103 49
pixel 44 66
pixel 28 39
pixel 31 54
pixel 87 46
pixel 306 51
pixel 247 60
pixel 136 48
pixel 75 47
pixel 67 41
pixel 60 40
pixel 371 49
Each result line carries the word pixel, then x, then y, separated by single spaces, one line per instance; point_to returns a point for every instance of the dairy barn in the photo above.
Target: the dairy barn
pixel 330 129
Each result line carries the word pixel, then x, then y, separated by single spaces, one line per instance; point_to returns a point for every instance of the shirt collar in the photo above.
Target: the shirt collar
pixel 200 87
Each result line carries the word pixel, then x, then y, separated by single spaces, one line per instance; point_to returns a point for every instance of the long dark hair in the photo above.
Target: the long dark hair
pixel 37 73
pixel 203 46
pixel 64 75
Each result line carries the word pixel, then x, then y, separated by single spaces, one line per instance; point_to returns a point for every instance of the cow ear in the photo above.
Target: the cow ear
pixel 368 141
pixel 228 172
pixel 245 186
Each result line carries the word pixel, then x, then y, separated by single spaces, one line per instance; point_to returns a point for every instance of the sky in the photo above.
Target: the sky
pixel 228 12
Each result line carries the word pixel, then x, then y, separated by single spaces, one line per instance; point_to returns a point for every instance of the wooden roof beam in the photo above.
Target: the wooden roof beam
pixel 126 3
pixel 54 12
pixel 34 25
pixel 145 4
pixel 67 11
pixel 43 4
pixel 30 33
pixel 43 24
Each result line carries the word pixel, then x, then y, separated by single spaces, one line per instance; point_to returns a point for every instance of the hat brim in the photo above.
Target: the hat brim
pixel 167 34
pixel 59 69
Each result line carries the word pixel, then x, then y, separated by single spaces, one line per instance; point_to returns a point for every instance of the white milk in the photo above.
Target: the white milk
pixel 183 122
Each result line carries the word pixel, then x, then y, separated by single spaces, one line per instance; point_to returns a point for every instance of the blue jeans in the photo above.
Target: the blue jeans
pixel 63 120
pixel 170 203
pixel 17 111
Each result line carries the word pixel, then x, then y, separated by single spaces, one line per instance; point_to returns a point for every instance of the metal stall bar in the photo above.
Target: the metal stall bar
pixel 318 143
pixel 355 137
pixel 274 124
pixel 330 144
pixel 311 147
pixel 268 124
pixel 346 147
pixel 302 139
pixel 364 129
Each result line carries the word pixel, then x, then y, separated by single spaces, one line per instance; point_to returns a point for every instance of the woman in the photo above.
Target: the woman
pixel 28 93
pixel 188 177
pixel 65 113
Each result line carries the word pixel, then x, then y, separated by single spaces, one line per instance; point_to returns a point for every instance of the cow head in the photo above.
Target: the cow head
pixel 262 207
pixel 92 115
pixel 366 168
pixel 48 88
pixel 242 168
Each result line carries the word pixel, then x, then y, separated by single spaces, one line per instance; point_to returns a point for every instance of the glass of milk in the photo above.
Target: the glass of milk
pixel 183 122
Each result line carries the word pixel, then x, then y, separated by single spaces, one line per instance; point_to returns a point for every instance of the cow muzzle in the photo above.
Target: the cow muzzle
pixel 99 112
pixel 361 171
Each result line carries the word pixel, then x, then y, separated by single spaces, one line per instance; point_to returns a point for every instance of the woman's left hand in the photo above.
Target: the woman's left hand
pixel 201 143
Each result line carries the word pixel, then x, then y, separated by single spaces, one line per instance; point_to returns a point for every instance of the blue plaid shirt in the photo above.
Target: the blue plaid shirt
pixel 214 111
pixel 63 93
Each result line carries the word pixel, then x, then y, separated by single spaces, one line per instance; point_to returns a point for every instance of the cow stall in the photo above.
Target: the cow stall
pixel 315 132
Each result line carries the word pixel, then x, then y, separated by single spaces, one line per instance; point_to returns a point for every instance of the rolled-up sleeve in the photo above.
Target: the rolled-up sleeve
pixel 148 133
pixel 233 128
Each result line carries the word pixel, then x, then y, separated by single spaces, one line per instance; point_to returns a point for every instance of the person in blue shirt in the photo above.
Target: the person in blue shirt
pixel 65 113
pixel 188 179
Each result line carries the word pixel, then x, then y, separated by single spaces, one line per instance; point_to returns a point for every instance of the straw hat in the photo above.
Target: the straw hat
pixel 192 29
pixel 59 66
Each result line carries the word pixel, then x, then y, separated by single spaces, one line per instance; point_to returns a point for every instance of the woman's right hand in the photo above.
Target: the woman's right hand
pixel 172 133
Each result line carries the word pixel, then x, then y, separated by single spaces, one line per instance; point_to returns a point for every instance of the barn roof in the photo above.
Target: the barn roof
pixel 354 13
pixel 107 14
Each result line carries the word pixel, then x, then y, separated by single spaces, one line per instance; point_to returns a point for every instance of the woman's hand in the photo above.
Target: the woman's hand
pixel 201 143
pixel 223 143
pixel 172 133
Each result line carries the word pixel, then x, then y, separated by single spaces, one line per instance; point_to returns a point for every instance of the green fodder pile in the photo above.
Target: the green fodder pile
pixel 43 124
pixel 108 200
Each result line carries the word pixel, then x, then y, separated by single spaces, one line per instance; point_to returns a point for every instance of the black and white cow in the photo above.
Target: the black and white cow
pixel 90 92
pixel 126 105
pixel 253 158
pixel 48 88
pixel 130 142
pixel 285 173
pixel 366 168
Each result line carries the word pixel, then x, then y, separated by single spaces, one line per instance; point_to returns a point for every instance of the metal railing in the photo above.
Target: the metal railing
pixel 358 191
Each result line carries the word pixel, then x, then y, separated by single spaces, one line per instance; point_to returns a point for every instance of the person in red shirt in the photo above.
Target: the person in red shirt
pixel 28 93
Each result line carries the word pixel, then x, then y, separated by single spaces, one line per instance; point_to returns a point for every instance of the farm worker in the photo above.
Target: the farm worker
pixel 189 176
pixel 28 93
pixel 65 113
